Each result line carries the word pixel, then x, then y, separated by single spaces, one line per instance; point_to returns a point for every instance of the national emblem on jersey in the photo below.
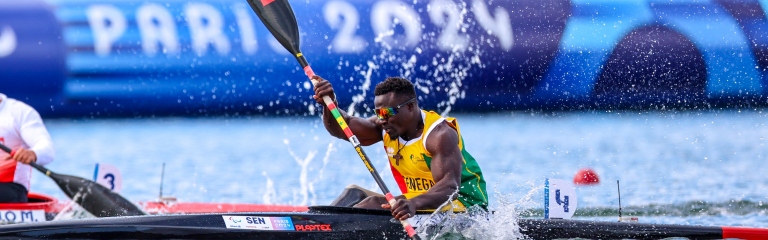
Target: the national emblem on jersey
pixel 390 151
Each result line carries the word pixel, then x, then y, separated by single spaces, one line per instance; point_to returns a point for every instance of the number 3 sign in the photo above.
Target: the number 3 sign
pixel 109 176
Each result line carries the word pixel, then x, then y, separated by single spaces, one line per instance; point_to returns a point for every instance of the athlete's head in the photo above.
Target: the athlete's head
pixel 399 86
pixel 396 105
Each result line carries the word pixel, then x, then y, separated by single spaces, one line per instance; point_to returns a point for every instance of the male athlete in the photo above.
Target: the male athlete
pixel 21 129
pixel 426 152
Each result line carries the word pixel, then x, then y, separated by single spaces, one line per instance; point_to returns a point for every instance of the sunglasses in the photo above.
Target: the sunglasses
pixel 384 113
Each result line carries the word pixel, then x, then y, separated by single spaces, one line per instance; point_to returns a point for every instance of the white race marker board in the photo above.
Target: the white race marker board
pixel 109 176
pixel 559 199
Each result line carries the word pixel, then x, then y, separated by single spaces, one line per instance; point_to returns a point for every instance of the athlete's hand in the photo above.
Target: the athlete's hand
pixel 403 209
pixel 371 202
pixel 323 88
pixel 23 156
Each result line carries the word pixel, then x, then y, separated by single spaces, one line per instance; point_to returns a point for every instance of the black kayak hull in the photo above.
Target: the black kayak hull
pixel 332 223
pixel 341 224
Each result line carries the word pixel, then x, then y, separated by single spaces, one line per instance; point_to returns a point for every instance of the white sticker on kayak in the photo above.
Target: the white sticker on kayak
pixel 21 216
pixel 258 223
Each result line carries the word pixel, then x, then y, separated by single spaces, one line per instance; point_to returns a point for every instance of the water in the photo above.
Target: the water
pixel 704 168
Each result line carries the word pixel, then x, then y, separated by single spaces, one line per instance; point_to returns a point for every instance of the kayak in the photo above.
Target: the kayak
pixel 171 206
pixel 326 222
pixel 41 207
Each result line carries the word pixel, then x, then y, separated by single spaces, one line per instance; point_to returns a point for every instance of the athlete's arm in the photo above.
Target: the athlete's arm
pixel 366 130
pixel 35 135
pixel 443 144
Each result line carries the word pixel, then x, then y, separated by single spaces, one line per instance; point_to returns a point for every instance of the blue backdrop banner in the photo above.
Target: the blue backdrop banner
pixel 125 58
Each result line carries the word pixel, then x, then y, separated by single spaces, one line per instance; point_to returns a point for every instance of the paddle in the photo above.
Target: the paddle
pixel 278 17
pixel 93 197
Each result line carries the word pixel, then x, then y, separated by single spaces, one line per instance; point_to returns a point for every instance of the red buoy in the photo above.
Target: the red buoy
pixel 586 176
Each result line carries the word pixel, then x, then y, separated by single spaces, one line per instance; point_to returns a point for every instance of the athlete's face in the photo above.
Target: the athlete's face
pixel 394 113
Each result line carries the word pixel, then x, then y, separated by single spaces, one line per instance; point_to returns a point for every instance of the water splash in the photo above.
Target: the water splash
pixel 304 190
pixel 269 192
pixel 441 73
pixel 330 149
pixel 364 88
pixel 73 210
pixel 500 222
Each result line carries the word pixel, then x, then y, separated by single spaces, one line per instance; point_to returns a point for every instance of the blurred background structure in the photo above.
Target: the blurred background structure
pixel 76 58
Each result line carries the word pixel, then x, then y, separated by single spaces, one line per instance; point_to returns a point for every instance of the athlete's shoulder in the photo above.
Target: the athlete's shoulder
pixel 429 112
pixel 20 109
pixel 439 134
pixel 16 103
pixel 442 128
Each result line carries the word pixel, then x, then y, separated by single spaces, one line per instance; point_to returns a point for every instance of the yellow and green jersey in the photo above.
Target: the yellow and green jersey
pixel 412 170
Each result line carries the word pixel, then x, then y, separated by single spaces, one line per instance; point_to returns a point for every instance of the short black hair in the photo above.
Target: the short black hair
pixel 400 86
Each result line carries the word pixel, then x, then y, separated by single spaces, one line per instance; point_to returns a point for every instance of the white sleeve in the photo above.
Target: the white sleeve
pixel 34 135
